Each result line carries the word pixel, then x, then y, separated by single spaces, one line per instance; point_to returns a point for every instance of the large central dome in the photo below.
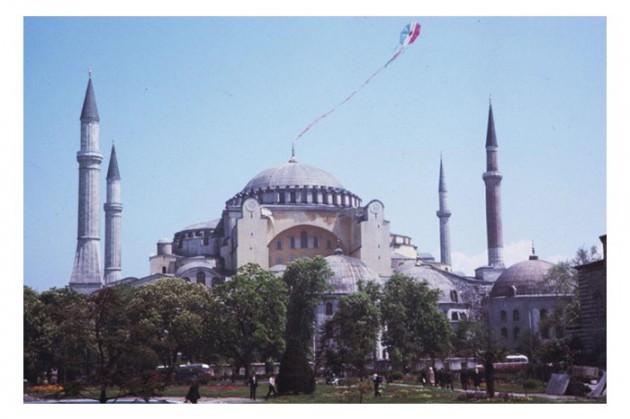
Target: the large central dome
pixel 292 174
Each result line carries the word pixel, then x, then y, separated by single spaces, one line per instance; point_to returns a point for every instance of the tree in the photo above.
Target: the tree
pixel 584 256
pixel 306 280
pixel 350 336
pixel 248 316
pixel 414 325
pixel 68 332
pixel 170 316
pixel 38 336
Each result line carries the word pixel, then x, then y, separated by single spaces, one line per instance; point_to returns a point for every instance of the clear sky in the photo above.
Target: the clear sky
pixel 198 106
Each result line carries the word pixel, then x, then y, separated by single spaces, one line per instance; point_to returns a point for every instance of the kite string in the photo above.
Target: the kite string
pixel 351 95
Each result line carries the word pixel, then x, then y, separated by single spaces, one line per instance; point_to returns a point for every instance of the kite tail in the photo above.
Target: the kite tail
pixel 351 95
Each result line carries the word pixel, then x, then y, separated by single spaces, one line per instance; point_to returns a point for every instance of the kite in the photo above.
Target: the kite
pixel 408 36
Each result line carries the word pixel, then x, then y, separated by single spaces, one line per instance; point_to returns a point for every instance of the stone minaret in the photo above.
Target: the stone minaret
pixel 113 218
pixel 492 179
pixel 443 214
pixel 86 274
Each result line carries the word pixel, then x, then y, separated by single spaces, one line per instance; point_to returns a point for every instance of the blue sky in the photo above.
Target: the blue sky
pixel 198 106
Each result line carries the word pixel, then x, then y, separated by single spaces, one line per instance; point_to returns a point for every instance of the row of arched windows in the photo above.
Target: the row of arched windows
pixel 303 242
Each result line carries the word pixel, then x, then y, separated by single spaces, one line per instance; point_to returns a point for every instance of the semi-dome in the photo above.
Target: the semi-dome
pixel 292 173
pixel 347 272
pixel 435 279
pixel 523 278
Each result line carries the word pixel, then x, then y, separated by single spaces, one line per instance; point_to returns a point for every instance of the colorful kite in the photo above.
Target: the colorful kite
pixel 408 36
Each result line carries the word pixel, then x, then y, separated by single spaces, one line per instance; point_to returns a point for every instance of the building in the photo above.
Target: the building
pixel 296 210
pixel 592 296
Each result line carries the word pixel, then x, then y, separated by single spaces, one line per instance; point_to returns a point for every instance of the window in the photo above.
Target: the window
pixel 279 245
pixel 316 242
pixel 504 333
pixel 329 309
pixel 282 199
pixel 216 281
pixel 315 193
pixel 503 316
pixel 516 316
pixel 279 260
pixel 292 242
pixel 454 296
pixel 516 332
pixel 201 278
pixel 543 314
pixel 163 269
pixel 292 196
pixel 303 240
pixel 462 316
pixel 324 197
pixel 205 241
pixel 454 316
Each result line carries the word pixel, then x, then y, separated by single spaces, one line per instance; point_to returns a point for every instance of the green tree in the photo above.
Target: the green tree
pixel 170 316
pixel 38 336
pixel 350 336
pixel 306 280
pixel 414 325
pixel 248 316
pixel 69 332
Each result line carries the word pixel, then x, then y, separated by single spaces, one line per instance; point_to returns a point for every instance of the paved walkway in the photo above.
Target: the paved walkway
pixel 459 390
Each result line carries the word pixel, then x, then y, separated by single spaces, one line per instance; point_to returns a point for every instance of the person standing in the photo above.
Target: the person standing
pixel 377 379
pixel 253 383
pixel 272 387
pixel 463 378
pixel 431 377
pixel 193 393
pixel 477 379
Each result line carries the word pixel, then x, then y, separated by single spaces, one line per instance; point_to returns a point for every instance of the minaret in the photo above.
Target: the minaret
pixel 492 179
pixel 86 273
pixel 443 214
pixel 113 218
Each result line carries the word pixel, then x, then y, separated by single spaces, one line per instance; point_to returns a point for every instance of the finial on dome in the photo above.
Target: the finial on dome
pixel 533 255
pixel 338 249
pixel 292 159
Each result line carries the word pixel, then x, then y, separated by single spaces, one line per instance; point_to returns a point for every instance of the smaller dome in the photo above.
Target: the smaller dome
pixel 523 278
pixel 435 279
pixel 212 224
pixel 347 272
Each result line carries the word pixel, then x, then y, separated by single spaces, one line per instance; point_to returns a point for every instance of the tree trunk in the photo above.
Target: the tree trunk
pixel 103 397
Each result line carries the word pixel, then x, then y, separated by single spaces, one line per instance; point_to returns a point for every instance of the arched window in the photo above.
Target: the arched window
pixel 516 332
pixel 163 269
pixel 279 245
pixel 303 240
pixel 454 296
pixel 516 316
pixel 504 333
pixel 454 316
pixel 329 308
pixel 201 277
pixel 292 242
pixel 503 316
pixel 316 242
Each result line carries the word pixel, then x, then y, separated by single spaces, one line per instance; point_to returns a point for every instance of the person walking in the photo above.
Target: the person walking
pixel 477 379
pixel 431 377
pixel 253 383
pixel 463 378
pixel 272 387
pixel 193 393
pixel 377 379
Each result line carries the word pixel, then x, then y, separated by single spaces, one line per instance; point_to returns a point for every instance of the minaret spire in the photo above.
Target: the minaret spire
pixel 292 159
pixel 492 178
pixel 443 214
pixel 86 272
pixel 113 218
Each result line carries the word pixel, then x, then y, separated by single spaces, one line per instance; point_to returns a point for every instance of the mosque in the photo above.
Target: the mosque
pixel 296 210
